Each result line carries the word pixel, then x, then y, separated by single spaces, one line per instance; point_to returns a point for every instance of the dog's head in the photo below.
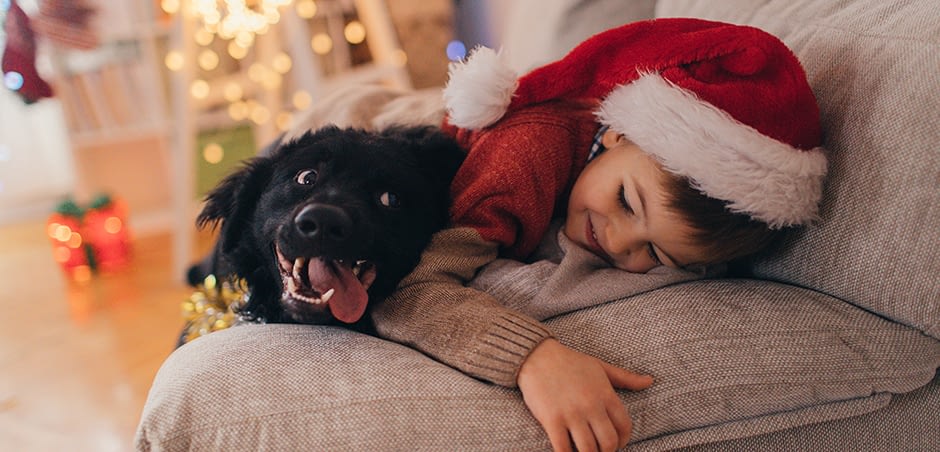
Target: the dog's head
pixel 332 220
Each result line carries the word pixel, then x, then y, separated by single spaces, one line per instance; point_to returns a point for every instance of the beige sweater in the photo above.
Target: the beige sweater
pixel 486 325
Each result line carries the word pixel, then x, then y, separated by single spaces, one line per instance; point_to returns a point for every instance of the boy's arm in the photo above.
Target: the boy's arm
pixel 434 312
pixel 570 394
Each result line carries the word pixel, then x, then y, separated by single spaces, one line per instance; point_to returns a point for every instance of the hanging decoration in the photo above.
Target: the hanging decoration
pixel 89 240
pixel 19 56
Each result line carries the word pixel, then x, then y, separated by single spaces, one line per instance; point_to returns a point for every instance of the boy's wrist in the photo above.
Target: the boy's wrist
pixel 530 367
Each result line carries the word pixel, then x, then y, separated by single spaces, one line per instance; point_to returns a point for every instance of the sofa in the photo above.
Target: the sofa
pixel 828 341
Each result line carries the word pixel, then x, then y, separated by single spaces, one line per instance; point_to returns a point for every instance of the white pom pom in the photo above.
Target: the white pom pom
pixel 480 89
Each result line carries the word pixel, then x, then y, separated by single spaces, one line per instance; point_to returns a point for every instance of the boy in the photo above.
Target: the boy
pixel 671 142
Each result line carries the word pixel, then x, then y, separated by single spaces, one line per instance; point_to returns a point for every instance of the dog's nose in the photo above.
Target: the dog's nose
pixel 323 222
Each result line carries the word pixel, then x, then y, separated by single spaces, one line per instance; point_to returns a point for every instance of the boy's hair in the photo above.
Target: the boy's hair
pixel 723 235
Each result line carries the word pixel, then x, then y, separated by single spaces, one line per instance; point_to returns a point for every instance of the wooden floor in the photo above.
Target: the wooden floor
pixel 77 360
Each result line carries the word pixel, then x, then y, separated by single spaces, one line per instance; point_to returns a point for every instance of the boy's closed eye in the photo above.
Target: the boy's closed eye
pixel 625 203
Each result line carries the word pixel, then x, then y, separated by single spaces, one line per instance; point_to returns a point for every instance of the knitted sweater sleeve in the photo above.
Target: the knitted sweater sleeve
pixel 504 196
pixel 465 328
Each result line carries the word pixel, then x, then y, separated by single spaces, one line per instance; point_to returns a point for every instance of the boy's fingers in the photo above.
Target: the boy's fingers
pixel 583 437
pixel 606 434
pixel 624 379
pixel 622 422
pixel 558 436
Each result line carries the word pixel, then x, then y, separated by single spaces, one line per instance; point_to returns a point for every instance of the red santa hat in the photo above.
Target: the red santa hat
pixel 727 106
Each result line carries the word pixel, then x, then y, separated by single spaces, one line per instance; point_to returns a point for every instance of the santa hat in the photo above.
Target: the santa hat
pixel 727 106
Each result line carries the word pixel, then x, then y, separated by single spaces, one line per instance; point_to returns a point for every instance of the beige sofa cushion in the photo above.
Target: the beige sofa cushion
pixel 875 68
pixel 721 351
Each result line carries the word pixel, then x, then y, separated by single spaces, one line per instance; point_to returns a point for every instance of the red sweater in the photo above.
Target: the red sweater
pixel 518 173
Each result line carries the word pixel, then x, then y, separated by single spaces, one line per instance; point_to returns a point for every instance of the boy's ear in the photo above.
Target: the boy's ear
pixel 233 200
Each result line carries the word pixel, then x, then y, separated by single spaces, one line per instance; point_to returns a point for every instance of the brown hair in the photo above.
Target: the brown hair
pixel 723 236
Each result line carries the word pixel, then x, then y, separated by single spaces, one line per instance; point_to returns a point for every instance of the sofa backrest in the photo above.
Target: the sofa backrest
pixel 875 69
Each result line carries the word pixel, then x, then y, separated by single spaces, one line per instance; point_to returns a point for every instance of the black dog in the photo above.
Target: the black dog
pixel 330 223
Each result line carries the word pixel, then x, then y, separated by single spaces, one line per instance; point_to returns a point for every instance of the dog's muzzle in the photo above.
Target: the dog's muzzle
pixel 337 285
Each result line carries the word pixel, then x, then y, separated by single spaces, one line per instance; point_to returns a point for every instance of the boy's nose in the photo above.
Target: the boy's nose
pixel 624 242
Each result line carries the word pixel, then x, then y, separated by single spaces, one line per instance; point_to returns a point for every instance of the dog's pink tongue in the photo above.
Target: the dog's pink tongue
pixel 349 299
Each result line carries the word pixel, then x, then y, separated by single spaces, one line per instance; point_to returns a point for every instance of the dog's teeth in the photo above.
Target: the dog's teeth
pixel 326 296
pixel 357 268
pixel 298 267
pixel 291 285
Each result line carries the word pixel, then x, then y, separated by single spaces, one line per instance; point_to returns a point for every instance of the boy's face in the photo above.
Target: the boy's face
pixel 618 211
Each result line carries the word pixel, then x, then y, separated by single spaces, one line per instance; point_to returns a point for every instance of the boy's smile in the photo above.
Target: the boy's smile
pixel 618 210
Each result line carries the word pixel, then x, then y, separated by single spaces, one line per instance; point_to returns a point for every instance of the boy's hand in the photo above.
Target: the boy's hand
pixel 572 395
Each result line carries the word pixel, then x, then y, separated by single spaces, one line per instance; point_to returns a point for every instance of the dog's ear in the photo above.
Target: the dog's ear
pixel 439 154
pixel 233 200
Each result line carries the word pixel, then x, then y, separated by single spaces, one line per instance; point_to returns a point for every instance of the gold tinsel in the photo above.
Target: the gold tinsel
pixel 212 306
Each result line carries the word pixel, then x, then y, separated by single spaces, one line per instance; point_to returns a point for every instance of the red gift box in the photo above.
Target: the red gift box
pixel 105 229
pixel 85 241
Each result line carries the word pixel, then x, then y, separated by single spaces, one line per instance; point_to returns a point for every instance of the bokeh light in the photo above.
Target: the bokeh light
pixel 456 50
pixel 213 153
pixel 208 59
pixel 13 80
pixel 321 44
pixel 199 89
pixel 354 32
pixel 236 51
pixel 282 63
pixel 233 91
pixel 238 110
pixel 113 225
pixel 174 60
pixel 301 100
pixel 306 8
pixel 170 6
pixel 203 37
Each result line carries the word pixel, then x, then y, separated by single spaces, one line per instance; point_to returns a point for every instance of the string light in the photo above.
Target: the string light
pixel 236 51
pixel 203 37
pixel 321 43
pixel 170 6
pixel 260 114
pixel 301 100
pixel 233 92
pixel 238 110
pixel 355 32
pixel 174 60
pixel 213 153
pixel 281 63
pixel 238 18
pixel 238 23
pixel 306 9
pixel 283 121
pixel 208 59
pixel 199 89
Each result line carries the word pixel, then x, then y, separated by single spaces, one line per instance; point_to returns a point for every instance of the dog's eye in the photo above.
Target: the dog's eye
pixel 306 177
pixel 389 199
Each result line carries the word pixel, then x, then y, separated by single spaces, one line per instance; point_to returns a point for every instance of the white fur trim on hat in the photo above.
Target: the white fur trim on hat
pixel 769 180
pixel 480 89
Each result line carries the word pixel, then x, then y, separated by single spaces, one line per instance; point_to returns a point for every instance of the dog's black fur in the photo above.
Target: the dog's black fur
pixel 303 217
